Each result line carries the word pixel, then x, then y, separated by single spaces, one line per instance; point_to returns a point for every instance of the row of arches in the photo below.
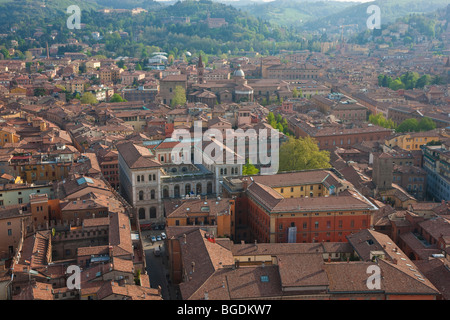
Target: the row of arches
pixel 188 189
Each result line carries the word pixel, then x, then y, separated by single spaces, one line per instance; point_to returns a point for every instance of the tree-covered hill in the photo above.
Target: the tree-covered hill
pixel 391 10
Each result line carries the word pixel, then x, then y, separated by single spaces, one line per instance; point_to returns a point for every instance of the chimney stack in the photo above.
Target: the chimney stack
pixel 206 295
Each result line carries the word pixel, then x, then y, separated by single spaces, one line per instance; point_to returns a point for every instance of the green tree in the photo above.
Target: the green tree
pixel 302 154
pixel 88 98
pixel 38 92
pixel 397 84
pixel 116 98
pixel 423 81
pixel 270 117
pixel 426 124
pixel 179 97
pixel 409 125
pixel 249 169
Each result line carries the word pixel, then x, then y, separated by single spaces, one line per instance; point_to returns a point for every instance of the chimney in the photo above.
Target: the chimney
pixel 206 295
pixel 193 266
pixel 329 258
pixel 184 237
pixel 394 261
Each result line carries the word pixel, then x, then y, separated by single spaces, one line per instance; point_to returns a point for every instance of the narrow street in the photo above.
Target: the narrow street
pixel 157 268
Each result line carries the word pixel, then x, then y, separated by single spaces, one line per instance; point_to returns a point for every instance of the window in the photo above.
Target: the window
pixel 153 213
pixel 9 232
pixel 141 195
pixel 152 194
pixel 316 224
pixel 141 213
pixel 20 200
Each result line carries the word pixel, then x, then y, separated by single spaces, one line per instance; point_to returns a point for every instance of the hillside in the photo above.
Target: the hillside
pixel 294 12
pixel 390 11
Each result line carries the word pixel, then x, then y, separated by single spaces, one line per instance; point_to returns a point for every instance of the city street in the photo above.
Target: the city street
pixel 157 269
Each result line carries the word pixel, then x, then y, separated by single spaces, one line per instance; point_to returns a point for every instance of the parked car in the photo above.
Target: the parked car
pixel 153 239
pixel 158 238
pixel 163 236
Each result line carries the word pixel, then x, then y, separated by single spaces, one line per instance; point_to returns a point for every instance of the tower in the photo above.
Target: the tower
pixel 200 69
pixel 382 171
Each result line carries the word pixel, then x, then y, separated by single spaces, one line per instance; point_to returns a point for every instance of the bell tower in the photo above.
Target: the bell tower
pixel 200 70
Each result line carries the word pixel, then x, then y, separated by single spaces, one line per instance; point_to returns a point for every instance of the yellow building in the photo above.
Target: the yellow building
pixel 207 212
pixel 31 170
pixel 412 141
pixel 8 135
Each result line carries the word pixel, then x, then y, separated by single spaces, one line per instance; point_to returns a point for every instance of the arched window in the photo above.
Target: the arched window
pixel 152 194
pixel 221 171
pixel 199 188
pixel 152 213
pixel 232 170
pixel 176 191
pixel 149 177
pixel 142 178
pixel 187 189
pixel 209 188
pixel 166 192
pixel 154 177
pixel 141 195
pixel 225 171
pixel 138 178
pixel 141 213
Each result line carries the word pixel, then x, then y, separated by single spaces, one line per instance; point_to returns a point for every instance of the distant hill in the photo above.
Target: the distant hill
pixel 294 12
pixel 390 11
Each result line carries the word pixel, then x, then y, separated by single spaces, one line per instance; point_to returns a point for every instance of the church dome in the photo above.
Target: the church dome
pixel 239 72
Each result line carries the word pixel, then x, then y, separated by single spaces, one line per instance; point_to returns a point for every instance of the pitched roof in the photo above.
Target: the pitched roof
pixel 136 156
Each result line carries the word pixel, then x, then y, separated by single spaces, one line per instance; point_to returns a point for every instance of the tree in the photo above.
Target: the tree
pixel 121 64
pixel 409 125
pixel 116 98
pixel 426 124
pixel 179 97
pixel 302 154
pixel 88 98
pixel 379 120
pixel 249 169
pixel 38 92
pixel 423 81
pixel 138 67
